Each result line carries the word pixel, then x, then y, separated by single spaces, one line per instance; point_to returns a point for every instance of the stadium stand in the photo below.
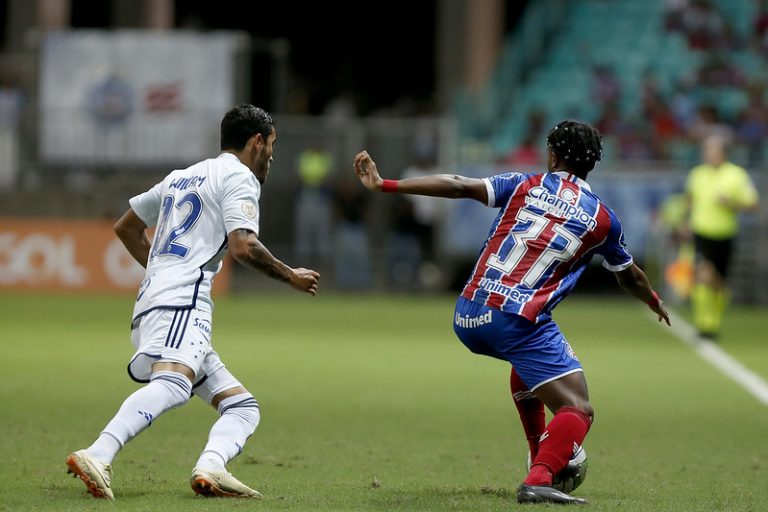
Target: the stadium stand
pixel 654 76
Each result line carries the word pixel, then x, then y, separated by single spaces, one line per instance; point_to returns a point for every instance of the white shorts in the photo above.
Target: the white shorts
pixel 179 336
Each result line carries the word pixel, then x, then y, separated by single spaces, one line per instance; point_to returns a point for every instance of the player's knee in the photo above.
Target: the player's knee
pixel 586 408
pixel 583 407
pixel 179 387
pixel 244 407
pixel 706 273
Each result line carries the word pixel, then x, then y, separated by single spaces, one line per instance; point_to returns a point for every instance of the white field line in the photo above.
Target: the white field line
pixel 717 357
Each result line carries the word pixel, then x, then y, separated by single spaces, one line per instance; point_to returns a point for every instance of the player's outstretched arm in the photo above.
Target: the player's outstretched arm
pixel 132 231
pixel 634 281
pixel 451 186
pixel 246 248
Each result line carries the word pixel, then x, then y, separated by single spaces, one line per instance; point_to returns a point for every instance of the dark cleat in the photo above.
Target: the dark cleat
pixel 543 494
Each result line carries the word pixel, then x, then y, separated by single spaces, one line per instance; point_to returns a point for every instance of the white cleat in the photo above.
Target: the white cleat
pixel 221 484
pixel 95 474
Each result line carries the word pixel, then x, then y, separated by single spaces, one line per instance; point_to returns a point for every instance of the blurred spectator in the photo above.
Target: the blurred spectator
pixel 340 110
pixel 312 231
pixel 718 70
pixel 761 19
pixel 352 261
pixel 610 121
pixel 536 120
pixel 635 141
pixel 405 254
pixel 707 123
pixel 650 95
pixel 761 27
pixel 605 84
pixel 664 128
pixel 673 14
pixel 684 105
pixel 752 126
pixel 426 210
pixel 700 23
pixel 526 156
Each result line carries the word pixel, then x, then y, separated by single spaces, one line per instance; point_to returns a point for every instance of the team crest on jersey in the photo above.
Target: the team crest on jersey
pixel 569 350
pixel 569 196
pixel 249 209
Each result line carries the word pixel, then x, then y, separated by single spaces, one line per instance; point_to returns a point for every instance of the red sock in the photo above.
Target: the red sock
pixel 531 411
pixel 569 426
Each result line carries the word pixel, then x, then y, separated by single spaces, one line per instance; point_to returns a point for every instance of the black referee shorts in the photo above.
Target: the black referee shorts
pixel 717 252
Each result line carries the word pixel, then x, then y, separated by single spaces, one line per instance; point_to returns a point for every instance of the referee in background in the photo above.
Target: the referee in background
pixel 716 192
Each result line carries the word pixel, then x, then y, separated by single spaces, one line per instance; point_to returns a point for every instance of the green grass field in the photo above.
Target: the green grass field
pixel 362 389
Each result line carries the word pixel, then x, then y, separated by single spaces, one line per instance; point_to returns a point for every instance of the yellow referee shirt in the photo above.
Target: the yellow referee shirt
pixel 709 188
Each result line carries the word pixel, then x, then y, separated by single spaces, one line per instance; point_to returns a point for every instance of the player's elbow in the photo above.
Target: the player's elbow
pixel 121 229
pixel 460 187
pixel 129 226
pixel 240 245
pixel 240 253
pixel 631 279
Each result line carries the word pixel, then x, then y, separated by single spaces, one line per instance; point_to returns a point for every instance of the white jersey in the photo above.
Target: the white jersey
pixel 194 210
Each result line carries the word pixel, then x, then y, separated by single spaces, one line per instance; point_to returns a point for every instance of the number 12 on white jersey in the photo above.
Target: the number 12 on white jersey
pixel 168 244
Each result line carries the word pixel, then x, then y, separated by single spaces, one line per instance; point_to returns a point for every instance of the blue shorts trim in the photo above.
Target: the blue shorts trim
pixel 538 351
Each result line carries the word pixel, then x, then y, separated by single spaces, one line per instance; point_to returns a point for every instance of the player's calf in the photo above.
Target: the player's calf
pixel 239 419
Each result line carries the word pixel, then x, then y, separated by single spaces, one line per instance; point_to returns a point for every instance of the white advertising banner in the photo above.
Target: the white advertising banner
pixel 134 96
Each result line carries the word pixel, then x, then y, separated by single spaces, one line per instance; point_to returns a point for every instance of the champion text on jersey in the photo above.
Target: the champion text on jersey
pixel 541 198
pixel 475 321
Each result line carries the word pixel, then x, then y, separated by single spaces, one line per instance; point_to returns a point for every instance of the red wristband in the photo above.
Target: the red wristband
pixel 389 186
pixel 655 301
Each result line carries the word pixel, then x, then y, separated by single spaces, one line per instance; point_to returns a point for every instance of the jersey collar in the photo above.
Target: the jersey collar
pixel 574 179
pixel 230 156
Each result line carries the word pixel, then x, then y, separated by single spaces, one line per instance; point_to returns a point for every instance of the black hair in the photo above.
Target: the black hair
pixel 243 122
pixel 578 145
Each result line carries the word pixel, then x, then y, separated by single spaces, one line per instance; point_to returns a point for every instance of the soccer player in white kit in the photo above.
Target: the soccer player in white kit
pixel 200 213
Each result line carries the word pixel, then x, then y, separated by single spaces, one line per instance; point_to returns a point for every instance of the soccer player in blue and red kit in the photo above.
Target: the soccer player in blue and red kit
pixel 548 228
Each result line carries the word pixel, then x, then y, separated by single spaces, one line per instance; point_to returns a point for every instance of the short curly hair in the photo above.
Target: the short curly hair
pixel 577 144
pixel 243 122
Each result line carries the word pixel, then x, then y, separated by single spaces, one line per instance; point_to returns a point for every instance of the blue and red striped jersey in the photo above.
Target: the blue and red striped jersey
pixel 548 229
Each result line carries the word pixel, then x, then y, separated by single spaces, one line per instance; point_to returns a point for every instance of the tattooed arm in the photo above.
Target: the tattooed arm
pixel 246 248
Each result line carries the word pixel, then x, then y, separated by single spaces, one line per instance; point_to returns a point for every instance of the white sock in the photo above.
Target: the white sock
pixel 239 419
pixel 165 391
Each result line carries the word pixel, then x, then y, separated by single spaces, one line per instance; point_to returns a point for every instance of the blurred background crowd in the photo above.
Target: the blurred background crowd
pixel 99 100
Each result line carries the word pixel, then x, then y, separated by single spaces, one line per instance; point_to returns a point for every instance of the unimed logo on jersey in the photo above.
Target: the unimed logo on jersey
pixel 75 255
